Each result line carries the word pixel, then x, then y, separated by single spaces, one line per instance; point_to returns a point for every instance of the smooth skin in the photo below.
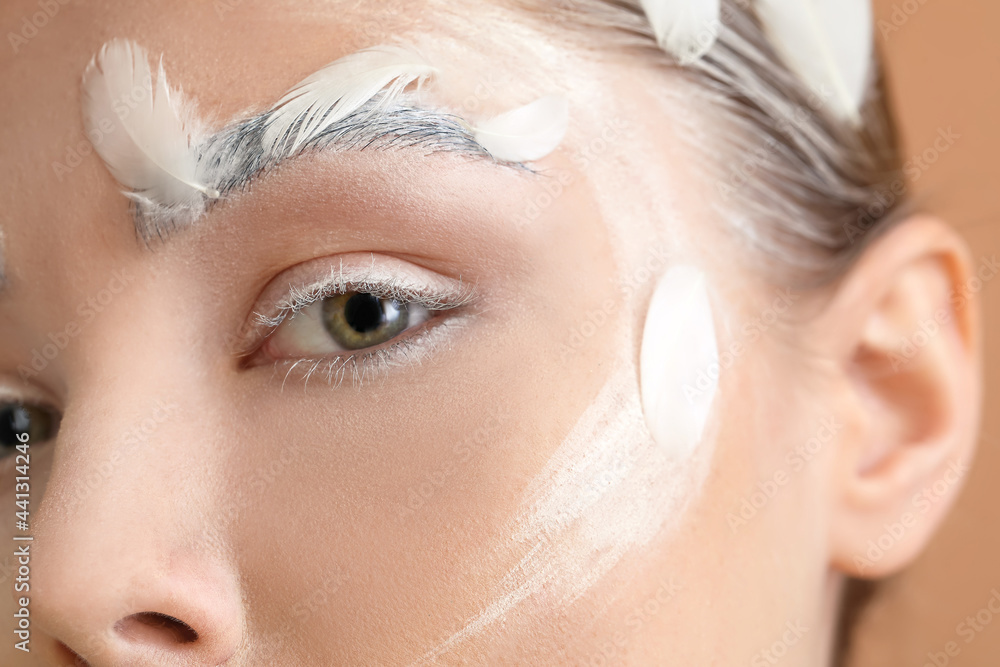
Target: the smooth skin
pixel 269 515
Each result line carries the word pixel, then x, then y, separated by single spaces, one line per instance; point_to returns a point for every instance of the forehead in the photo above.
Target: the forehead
pixel 233 57
pixel 230 57
pixel 231 54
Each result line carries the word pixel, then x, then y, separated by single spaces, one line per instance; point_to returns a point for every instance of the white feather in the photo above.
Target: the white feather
pixel 827 43
pixel 679 349
pixel 527 133
pixel 343 86
pixel 686 29
pixel 145 137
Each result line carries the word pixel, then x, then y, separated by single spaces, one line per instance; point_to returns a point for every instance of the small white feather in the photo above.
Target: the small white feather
pixel 527 133
pixel 146 137
pixel 686 29
pixel 679 349
pixel 827 43
pixel 344 86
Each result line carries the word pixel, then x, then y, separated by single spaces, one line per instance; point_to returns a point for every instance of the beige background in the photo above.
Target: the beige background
pixel 944 71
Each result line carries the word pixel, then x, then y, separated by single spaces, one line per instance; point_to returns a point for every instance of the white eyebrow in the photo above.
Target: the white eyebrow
pixel 174 172
pixel 237 155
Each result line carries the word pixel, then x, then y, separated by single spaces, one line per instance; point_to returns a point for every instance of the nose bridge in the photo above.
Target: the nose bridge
pixel 138 400
pixel 129 556
pixel 109 458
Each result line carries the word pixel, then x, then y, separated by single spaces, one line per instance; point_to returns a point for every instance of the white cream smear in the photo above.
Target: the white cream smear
pixel 614 484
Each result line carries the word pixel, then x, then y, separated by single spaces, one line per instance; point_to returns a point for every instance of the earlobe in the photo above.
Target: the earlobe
pixel 908 333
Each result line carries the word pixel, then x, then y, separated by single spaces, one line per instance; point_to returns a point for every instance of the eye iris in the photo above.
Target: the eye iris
pixel 356 320
pixel 16 419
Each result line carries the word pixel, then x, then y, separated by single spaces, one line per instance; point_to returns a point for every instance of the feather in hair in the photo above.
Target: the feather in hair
pixel 527 133
pixel 340 89
pixel 150 147
pixel 827 43
pixel 686 29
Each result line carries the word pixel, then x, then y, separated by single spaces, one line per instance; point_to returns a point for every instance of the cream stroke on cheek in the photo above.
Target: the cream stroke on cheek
pixel 615 484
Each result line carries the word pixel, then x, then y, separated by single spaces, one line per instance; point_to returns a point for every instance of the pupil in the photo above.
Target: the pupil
pixel 363 313
pixel 14 420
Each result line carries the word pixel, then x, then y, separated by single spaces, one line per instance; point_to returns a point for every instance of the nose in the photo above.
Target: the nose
pixel 182 614
pixel 129 563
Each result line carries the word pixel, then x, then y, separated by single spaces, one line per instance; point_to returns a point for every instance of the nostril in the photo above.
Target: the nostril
pixel 154 627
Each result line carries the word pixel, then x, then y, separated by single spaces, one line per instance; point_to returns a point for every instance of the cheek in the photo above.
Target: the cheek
pixel 603 498
pixel 764 508
pixel 411 492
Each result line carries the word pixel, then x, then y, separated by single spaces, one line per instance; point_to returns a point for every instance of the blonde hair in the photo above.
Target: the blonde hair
pixel 808 191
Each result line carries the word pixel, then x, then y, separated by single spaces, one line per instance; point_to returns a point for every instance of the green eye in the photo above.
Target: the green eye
pixel 356 320
pixel 17 419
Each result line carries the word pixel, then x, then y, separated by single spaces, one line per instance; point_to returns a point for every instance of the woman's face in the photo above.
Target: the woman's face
pixel 431 498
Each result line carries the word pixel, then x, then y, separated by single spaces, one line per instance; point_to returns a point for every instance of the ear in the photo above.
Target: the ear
pixel 904 329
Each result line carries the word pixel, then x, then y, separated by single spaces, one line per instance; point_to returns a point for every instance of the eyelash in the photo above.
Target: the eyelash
pixel 364 365
pixel 371 364
pixel 298 300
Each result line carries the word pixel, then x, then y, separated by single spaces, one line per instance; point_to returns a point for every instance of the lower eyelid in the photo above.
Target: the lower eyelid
pixel 363 366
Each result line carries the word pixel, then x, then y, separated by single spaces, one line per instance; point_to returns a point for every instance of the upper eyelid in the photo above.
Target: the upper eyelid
pixel 300 299
pixel 450 294
pixel 28 395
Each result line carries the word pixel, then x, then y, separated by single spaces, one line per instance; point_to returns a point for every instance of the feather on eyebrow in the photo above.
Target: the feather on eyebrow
pixel 236 156
pixel 174 172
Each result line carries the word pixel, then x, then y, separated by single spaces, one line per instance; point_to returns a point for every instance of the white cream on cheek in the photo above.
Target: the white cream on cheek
pixel 615 484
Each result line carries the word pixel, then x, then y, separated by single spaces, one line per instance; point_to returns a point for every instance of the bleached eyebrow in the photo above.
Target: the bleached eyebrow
pixel 237 155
